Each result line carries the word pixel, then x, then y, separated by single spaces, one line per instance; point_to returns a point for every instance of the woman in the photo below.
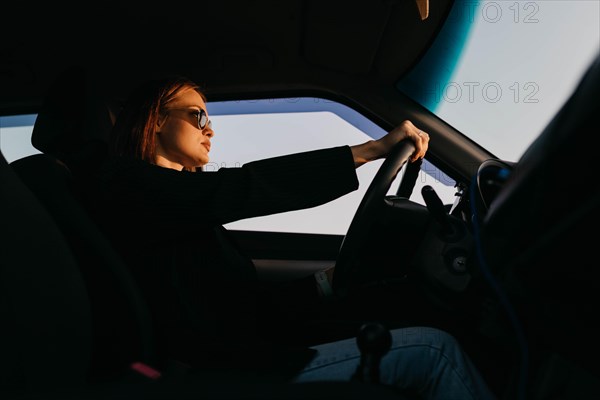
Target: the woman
pixel 165 217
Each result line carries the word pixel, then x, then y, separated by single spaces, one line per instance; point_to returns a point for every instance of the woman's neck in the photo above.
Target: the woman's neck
pixel 166 163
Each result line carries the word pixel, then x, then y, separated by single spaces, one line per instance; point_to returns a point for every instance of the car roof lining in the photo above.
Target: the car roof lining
pixel 295 42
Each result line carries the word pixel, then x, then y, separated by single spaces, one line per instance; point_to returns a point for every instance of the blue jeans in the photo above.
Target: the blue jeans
pixel 425 360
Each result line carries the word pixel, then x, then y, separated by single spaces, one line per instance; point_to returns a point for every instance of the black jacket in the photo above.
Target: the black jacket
pixel 201 289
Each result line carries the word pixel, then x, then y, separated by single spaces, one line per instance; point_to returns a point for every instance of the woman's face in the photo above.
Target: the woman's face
pixel 180 142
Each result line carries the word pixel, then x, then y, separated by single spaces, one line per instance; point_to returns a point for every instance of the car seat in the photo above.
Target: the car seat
pixel 539 247
pixel 69 131
pixel 46 335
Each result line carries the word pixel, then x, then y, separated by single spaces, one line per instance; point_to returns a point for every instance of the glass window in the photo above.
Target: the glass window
pixel 255 129
pixel 15 136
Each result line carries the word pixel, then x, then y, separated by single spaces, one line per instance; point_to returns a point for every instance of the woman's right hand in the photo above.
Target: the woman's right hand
pixel 376 149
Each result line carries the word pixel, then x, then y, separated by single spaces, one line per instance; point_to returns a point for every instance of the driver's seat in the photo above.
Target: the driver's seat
pixel 71 138
pixel 46 335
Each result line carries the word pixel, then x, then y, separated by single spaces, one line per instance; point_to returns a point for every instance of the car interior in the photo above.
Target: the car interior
pixel 508 269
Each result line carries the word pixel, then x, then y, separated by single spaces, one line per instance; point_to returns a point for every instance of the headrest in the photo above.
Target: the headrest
pixel 75 120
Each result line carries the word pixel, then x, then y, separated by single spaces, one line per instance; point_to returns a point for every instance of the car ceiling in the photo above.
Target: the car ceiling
pixel 233 48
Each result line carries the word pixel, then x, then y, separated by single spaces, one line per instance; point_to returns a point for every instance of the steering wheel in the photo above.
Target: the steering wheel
pixel 347 267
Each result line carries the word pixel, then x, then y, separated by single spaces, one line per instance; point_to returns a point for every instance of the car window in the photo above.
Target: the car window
pixel 255 129
pixel 500 70
pixel 15 136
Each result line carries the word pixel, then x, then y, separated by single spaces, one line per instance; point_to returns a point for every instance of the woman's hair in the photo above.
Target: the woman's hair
pixel 134 132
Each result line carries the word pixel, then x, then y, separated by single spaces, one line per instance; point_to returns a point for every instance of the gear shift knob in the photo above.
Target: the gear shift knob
pixel 374 341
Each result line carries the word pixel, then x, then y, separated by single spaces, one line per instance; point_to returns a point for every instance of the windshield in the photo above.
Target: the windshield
pixel 499 70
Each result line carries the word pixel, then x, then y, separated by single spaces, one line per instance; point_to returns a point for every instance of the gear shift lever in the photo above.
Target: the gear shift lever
pixel 374 341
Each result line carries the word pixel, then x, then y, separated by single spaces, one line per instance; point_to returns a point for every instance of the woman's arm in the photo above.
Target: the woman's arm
pixel 179 201
pixel 376 149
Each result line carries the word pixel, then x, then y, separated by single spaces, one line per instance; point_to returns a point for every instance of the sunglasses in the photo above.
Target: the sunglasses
pixel 200 115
